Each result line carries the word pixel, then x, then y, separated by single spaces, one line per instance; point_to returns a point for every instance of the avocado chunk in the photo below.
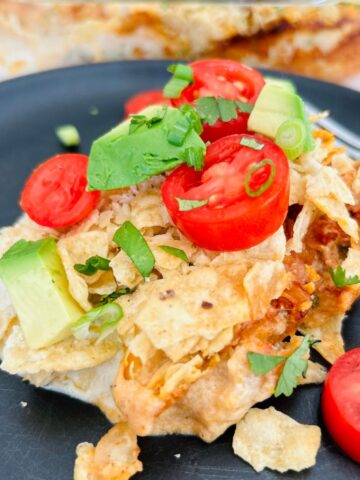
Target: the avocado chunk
pixel 36 281
pixel 122 157
pixel 274 106
pixel 281 82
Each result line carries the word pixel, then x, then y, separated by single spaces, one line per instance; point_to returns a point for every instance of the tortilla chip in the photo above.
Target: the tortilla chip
pixel 196 306
pixel 124 270
pixel 338 212
pixel 70 354
pixel 316 373
pixel 77 249
pixel 270 439
pixel 220 398
pixel 327 329
pixel 264 282
pixel 273 248
pixel 297 186
pixel 327 182
pixel 148 210
pixel 115 456
pixel 301 226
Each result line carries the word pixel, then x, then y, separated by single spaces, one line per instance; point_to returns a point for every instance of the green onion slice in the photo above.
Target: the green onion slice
pixel 251 143
pixel 186 205
pixel 136 248
pixel 178 132
pixel 182 77
pixel 194 157
pixel 264 186
pixel 177 252
pixel 291 138
pixel 99 322
pixel 68 135
pixel 92 265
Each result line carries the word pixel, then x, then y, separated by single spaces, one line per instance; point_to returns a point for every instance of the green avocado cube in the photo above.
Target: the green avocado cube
pixel 122 158
pixel 37 284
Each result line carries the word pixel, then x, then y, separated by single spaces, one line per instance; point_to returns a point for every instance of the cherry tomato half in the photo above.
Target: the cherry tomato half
pixel 55 194
pixel 227 79
pixel 341 403
pixel 144 99
pixel 232 219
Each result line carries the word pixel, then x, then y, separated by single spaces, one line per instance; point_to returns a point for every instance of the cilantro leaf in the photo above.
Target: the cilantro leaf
pixel 251 143
pixel 208 109
pixel 186 205
pixel 295 366
pixel 339 277
pixel 263 364
pixel 111 297
pixel 177 252
pixel 92 265
pixel 244 107
pixel 212 109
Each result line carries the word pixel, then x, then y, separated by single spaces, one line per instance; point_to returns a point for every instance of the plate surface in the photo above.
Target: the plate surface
pixel 38 442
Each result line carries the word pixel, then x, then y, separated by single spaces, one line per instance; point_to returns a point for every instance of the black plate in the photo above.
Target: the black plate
pixel 38 442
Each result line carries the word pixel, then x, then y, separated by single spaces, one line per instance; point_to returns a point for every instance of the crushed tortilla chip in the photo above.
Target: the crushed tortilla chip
pixel 70 354
pixel 264 282
pixel 270 439
pixel 327 329
pixel 77 249
pixel 301 226
pixel 114 457
pixel 315 373
pixel 180 308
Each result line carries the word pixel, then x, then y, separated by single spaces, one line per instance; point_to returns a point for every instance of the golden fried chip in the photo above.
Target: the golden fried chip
pixel 220 398
pixel 270 439
pixel 316 373
pixel 114 457
pixel 148 210
pixel 327 329
pixel 124 271
pixel 198 305
pixel 301 226
pixel 70 354
pixel 297 186
pixel 77 249
pixel 264 282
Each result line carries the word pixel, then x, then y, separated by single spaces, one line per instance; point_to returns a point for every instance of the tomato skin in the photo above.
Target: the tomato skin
pixel 55 193
pixel 341 403
pixel 144 99
pixel 245 221
pixel 219 78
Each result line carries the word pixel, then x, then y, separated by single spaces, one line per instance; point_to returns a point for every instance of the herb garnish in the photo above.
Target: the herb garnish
pixel 92 265
pixel 212 109
pixel 251 143
pixel 68 135
pixel 294 366
pixel 99 322
pixel 177 252
pixel 138 121
pixel 135 246
pixel 111 297
pixel 339 277
pixel 259 191
pixel 186 205
pixel 182 77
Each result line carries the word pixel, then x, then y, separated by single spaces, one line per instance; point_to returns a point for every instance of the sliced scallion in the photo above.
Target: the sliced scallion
pixel 182 77
pixel 254 168
pixel 179 131
pixel 291 138
pixel 98 323
pixel 68 135
pixel 136 248
pixel 194 157
pixel 251 143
